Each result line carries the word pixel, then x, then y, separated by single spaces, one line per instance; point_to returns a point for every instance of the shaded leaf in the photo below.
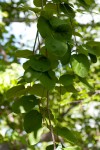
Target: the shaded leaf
pixel 66 79
pixel 58 23
pixel 47 81
pixel 66 58
pixel 31 75
pixel 44 27
pixel 32 121
pixel 39 63
pixel 93 47
pixel 14 91
pixel 67 9
pixel 39 90
pixel 93 58
pixel 25 103
pixel 65 133
pixel 71 88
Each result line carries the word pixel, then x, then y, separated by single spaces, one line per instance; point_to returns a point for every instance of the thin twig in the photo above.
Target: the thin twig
pixel 51 128
pixel 35 41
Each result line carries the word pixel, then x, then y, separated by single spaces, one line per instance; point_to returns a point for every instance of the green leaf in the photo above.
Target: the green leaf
pixel 56 47
pixel 93 47
pixel 24 53
pixel 56 1
pixel 82 50
pixel 51 8
pixel 66 134
pixel 38 90
pixel 14 91
pixel 71 88
pixel 67 9
pixel 53 59
pixel 80 64
pixel 77 34
pixel 85 82
pixel 24 104
pixel 47 81
pixel 72 148
pixel 44 27
pixel 39 3
pixel 26 65
pixel 39 63
pixel 93 58
pixel 66 58
pixel 31 75
pixel 58 23
pixel 89 2
pixel 66 79
pixel 32 121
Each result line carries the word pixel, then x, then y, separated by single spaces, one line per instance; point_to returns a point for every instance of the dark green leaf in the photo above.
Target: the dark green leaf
pixel 39 63
pixel 71 88
pixel 80 65
pixel 47 81
pixel 93 47
pixel 67 9
pixel 32 121
pixel 65 133
pixel 58 23
pixel 14 91
pixel 25 103
pixel 44 27
pixel 66 79
pixel 93 58
pixel 31 75
pixel 26 65
pixel 39 90
pixel 66 58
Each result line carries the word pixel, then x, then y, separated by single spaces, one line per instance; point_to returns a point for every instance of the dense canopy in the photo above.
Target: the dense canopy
pixel 50 74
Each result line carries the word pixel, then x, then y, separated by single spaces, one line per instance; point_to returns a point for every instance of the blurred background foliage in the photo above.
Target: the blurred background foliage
pixel 80 111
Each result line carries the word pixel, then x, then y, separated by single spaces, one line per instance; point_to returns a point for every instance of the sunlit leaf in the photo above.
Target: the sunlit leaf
pixel 72 148
pixel 39 3
pixel 56 47
pixel 24 53
pixel 80 65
